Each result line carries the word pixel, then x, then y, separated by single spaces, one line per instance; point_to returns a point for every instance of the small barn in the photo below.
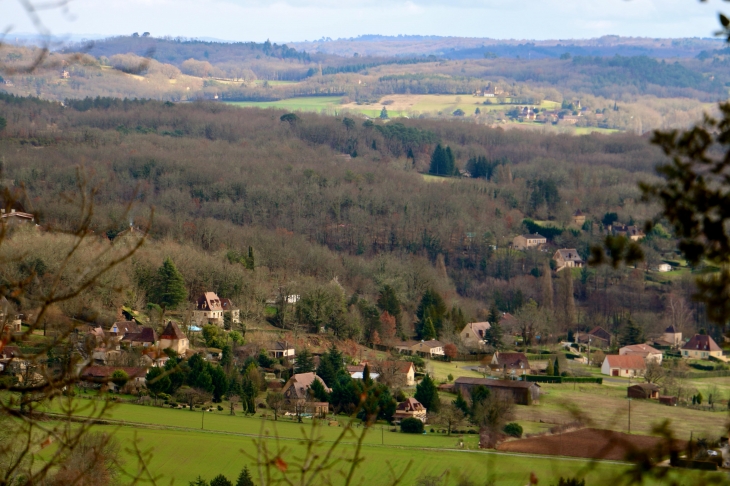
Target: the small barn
pixel 643 391
pixel 666 400
pixel 522 392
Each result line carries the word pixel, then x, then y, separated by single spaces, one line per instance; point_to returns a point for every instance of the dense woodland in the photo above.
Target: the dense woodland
pixel 338 209
pixel 633 93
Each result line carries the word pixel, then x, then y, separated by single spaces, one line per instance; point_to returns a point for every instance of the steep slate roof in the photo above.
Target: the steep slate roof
pixel 488 382
pixel 301 383
pixel 479 328
pixel 209 301
pixel 570 255
pixel 227 305
pixel 626 362
pixel 670 329
pixel 534 236
pixel 600 332
pixel 172 332
pixel 124 327
pixel 411 405
pixel 145 335
pixel 280 346
pixel 512 360
pixel 701 342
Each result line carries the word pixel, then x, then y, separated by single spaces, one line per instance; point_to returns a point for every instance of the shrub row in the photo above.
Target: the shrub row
pixel 700 366
pixel 708 374
pixel 540 357
pixel 563 379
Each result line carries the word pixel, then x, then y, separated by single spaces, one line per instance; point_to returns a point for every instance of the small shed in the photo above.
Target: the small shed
pixel 643 391
pixel 666 400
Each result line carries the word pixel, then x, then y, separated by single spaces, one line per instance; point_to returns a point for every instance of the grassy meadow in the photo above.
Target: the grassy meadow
pixel 180 456
pixel 185 444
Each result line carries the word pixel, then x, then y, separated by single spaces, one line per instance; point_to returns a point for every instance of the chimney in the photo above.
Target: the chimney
pixel 12 210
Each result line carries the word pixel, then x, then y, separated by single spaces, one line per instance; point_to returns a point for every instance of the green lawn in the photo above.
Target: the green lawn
pixel 310 103
pixel 441 369
pixel 181 456
pixel 181 450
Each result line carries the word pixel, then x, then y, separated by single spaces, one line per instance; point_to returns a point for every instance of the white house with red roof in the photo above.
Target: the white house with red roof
pixel 625 366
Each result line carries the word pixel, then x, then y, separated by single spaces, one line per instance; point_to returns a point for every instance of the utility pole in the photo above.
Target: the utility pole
pixel 629 407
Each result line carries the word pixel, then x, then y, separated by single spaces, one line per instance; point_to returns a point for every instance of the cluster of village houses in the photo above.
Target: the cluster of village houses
pixel 509 368
pixel 533 113
pixel 569 257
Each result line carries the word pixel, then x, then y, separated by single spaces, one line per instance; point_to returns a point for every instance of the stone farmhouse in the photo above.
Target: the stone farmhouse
pixel 473 334
pixel 567 258
pixel 296 389
pixel 523 242
pixel 411 408
pixel 173 338
pixel 702 346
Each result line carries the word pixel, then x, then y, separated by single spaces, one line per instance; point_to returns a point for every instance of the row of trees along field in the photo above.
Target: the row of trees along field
pixel 222 179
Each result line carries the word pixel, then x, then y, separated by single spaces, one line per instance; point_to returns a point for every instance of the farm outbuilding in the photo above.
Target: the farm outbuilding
pixel 643 391
pixel 665 400
pixel 522 392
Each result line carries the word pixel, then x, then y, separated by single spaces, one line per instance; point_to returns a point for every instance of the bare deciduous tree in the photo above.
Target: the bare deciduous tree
pixel 275 401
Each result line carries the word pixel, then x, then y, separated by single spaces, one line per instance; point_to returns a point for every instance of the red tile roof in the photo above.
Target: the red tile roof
pixel 626 362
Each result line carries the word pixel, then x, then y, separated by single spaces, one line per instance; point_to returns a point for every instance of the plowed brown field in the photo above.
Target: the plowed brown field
pixel 587 443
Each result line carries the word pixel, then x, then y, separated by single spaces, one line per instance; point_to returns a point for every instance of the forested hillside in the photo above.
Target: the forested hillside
pixel 321 197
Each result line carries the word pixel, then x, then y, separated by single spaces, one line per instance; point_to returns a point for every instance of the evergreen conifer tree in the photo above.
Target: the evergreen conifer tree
pixel 460 402
pixel 633 334
pixel 550 369
pixel 388 301
pixel 245 479
pixel 450 163
pixel 366 375
pixel 384 114
pixel 318 391
pixel 169 286
pixel 432 305
pixel 437 161
pixel 494 334
pixel 250 260
pixel 220 480
pixel 427 394
pixel 429 331
pixel 304 362
pixel 556 367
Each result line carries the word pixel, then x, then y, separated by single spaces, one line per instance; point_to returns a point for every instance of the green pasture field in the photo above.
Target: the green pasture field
pixel 607 407
pixel 181 456
pixel 441 369
pixel 310 103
